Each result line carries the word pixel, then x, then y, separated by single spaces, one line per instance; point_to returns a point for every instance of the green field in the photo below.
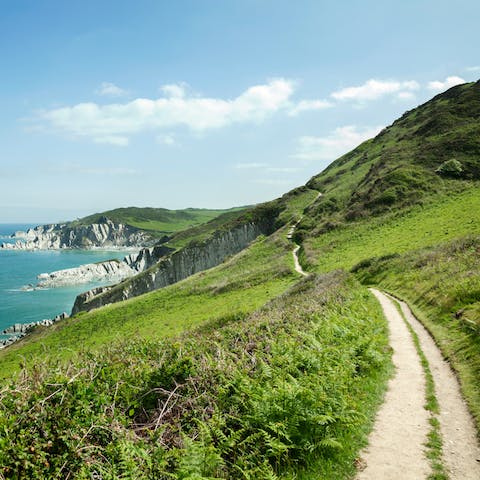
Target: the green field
pixel 157 220
pixel 444 219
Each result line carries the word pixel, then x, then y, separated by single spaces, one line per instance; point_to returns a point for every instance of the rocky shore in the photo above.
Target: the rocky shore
pixel 19 330
pixel 105 234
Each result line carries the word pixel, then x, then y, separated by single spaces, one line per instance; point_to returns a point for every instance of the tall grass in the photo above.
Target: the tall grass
pixel 287 391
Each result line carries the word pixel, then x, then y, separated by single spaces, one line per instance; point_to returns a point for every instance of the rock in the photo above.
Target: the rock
pixel 111 271
pixel 64 235
pixel 20 330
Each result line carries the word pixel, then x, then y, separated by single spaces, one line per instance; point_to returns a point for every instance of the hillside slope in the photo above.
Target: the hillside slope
pixel 405 164
pixel 248 370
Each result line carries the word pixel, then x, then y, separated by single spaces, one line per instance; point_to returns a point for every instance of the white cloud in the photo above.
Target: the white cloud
pixel 373 89
pixel 475 68
pixel 449 82
pixel 174 90
pixel 244 166
pixel 405 95
pixel 166 139
pixel 112 140
pixel 114 123
pixel 342 140
pixel 110 90
pixel 306 105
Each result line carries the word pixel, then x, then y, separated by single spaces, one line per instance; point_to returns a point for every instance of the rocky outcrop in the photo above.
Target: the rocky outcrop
pixel 19 330
pixel 105 234
pixel 109 271
pixel 174 267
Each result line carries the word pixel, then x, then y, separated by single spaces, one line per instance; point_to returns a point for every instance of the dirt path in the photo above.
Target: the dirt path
pixel 461 450
pixel 396 445
pixel 298 267
pixel 296 247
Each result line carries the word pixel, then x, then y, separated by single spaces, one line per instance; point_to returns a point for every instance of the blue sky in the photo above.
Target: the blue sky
pixel 206 103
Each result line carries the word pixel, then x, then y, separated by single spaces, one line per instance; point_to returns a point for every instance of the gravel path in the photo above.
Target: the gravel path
pixel 461 450
pixel 396 445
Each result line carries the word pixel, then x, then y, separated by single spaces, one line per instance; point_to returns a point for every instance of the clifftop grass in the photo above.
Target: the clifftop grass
pixel 157 220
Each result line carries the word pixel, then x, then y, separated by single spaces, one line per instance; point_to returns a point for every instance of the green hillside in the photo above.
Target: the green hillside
pixel 157 220
pixel 248 370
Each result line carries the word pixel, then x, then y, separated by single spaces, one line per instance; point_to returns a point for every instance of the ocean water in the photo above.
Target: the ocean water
pixel 20 268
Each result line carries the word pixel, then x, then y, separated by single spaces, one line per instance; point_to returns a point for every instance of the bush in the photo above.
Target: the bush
pixel 450 168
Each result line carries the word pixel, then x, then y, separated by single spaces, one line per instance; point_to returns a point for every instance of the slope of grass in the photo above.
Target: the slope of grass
pixel 447 218
pixel 442 284
pixel 400 167
pixel 287 392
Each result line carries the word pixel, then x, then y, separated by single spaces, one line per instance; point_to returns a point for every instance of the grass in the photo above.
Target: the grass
pixel 442 285
pixel 447 218
pixel 157 220
pixel 286 392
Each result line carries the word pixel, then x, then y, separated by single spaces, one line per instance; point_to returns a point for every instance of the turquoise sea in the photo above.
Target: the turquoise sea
pixel 20 268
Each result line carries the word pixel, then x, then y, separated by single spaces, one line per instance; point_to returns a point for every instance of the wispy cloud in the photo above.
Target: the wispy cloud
pixel 438 86
pixel 167 139
pixel 475 68
pixel 373 89
pixel 109 89
pixel 114 123
pixel 330 147
pixel 309 105
pixel 245 166
pixel 113 140
pixel 283 169
pixel 271 181
pixel 77 169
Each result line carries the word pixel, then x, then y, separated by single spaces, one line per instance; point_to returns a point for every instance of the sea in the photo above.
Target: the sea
pixel 19 269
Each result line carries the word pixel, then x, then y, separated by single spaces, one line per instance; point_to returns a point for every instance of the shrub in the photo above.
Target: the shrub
pixel 450 168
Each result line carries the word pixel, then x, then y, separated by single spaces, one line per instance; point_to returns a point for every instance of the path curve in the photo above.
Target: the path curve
pixel 396 443
pixel 296 247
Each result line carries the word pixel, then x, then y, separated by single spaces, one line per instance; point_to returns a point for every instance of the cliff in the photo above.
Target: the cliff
pixel 105 234
pixel 175 266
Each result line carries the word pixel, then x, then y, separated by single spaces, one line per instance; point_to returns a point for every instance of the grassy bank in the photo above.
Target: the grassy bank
pixel 442 284
pixel 444 219
pixel 289 390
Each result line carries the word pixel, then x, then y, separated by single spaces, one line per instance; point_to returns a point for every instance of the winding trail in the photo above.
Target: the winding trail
pixel 296 247
pixel 396 447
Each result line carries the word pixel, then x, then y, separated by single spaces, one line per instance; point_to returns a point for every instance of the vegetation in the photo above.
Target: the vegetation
pixel 263 396
pixel 444 218
pixel 245 371
pixel 398 168
pixel 156 220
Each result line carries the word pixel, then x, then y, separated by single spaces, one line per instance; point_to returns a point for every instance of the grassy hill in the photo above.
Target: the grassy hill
pixel 157 220
pixel 247 370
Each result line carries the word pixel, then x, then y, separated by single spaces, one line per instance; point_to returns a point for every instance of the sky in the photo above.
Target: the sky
pixel 207 103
